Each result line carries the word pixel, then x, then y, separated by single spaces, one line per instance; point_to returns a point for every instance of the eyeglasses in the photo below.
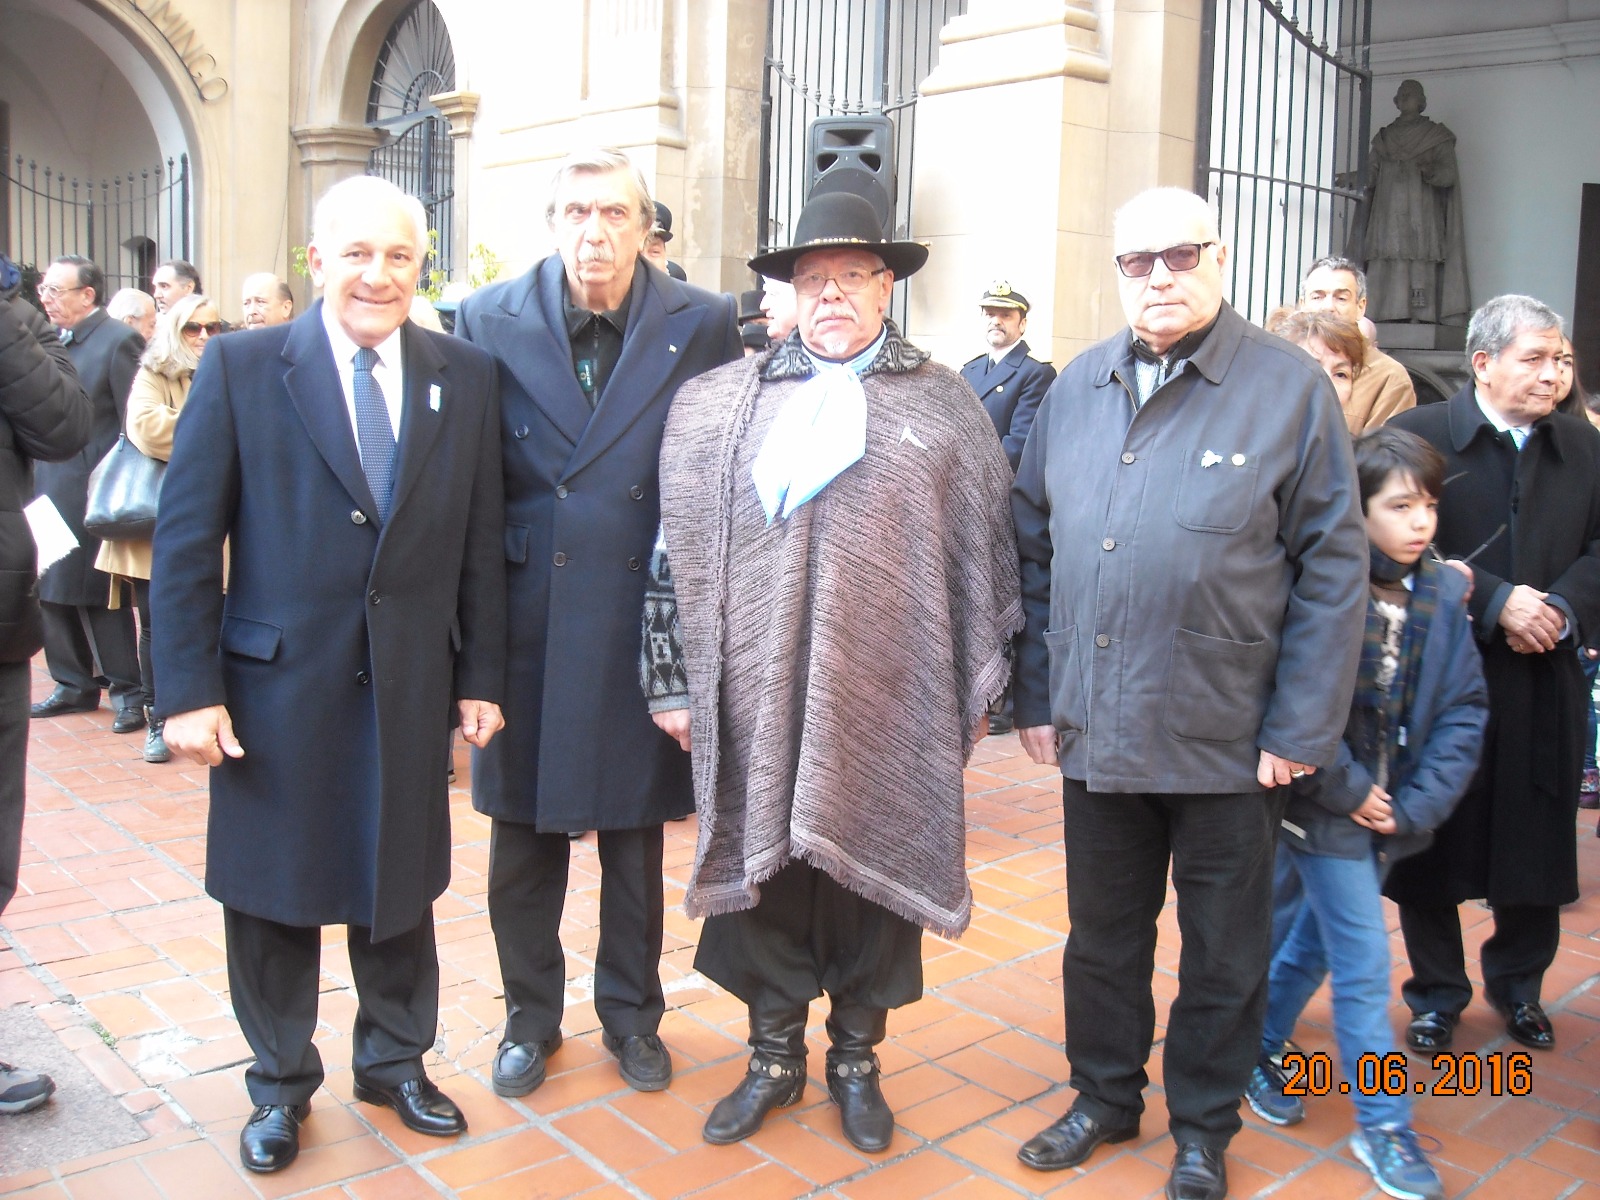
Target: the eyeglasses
pixel 854 280
pixel 50 291
pixel 195 328
pixel 1182 257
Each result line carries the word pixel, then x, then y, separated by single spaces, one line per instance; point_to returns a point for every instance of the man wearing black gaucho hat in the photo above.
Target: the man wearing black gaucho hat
pixel 1008 381
pixel 830 598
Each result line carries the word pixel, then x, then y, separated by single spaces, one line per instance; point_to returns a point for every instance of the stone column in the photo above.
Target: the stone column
pixel 1038 122
pixel 461 109
pixel 328 153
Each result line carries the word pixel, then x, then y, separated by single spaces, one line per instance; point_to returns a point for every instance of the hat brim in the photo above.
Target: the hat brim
pixel 903 258
pixel 997 302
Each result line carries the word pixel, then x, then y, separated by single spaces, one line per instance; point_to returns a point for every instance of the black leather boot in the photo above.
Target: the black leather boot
pixel 776 1076
pixel 853 1075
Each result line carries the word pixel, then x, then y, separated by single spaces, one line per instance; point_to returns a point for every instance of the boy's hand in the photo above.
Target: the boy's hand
pixel 1376 813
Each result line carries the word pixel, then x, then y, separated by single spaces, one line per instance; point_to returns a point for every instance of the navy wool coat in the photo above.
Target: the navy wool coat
pixel 579 750
pixel 341 645
pixel 1010 390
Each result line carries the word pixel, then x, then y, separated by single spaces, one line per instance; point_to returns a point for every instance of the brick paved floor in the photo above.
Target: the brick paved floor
pixel 113 942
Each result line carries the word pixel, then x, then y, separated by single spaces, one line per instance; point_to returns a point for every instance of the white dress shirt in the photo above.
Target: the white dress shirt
pixel 388 372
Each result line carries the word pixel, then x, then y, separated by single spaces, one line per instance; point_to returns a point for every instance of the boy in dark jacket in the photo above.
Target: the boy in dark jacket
pixel 1409 751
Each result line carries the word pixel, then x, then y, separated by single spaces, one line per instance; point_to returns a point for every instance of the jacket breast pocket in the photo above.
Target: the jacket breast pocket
pixel 250 638
pixel 1069 708
pixel 1216 490
pixel 1217 688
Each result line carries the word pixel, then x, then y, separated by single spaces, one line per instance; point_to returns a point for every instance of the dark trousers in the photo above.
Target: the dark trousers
pixel 78 637
pixel 15 691
pixel 808 935
pixel 147 666
pixel 1118 849
pixel 1514 959
pixel 272 974
pixel 527 890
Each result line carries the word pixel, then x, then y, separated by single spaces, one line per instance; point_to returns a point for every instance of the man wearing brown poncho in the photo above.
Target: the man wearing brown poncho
pixel 845 575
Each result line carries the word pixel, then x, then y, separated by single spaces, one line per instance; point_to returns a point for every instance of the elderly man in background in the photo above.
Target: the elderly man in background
pixel 1382 387
pixel 266 300
pixel 815 501
pixel 351 463
pixel 1194 570
pixel 591 347
pixel 135 309
pixel 1521 512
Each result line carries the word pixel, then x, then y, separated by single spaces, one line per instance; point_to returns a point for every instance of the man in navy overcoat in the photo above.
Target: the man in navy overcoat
pixel 591 345
pixel 351 463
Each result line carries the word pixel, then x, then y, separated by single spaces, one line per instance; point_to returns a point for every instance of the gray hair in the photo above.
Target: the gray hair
pixel 1335 262
pixel 1497 324
pixel 602 160
pixel 130 302
pixel 1165 202
pixel 366 192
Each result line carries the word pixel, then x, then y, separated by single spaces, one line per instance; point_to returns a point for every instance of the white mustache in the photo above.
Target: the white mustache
pixel 588 253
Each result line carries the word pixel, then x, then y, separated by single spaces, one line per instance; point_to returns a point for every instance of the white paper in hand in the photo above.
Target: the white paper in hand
pixel 51 534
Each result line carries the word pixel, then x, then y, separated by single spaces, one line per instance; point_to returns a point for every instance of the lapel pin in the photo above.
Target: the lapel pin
pixel 671 348
pixel 1210 459
pixel 1238 460
pixel 433 396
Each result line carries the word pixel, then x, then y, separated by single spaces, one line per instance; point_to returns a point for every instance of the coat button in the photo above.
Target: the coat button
pixel 521 431
pixel 1127 457
pixel 1102 640
pixel 1000 389
pixel 357 517
pixel 633 564
pixel 373 596
pixel 561 491
pixel 1109 544
pixel 363 678
pixel 636 492
pixel 560 559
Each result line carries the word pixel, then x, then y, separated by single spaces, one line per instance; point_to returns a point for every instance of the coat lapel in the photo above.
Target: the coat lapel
pixel 421 417
pixel 313 384
pixel 529 336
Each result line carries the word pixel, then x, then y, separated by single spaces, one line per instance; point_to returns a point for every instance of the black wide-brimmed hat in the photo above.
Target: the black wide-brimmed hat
pixel 840 220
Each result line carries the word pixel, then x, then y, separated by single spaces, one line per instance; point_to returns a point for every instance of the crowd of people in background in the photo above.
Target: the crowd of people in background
pixel 1293 641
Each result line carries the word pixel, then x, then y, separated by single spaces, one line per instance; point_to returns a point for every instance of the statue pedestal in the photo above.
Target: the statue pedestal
pixel 1404 335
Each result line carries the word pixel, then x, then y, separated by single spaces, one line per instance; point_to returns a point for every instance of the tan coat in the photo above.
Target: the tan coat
pixel 153 407
pixel 1382 389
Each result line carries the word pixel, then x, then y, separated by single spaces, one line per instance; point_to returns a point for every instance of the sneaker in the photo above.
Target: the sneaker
pixel 1589 789
pixel 22 1090
pixel 155 742
pixel 1266 1096
pixel 1396 1161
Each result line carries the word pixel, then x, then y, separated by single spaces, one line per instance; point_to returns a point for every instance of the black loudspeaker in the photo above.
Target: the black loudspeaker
pixel 854 154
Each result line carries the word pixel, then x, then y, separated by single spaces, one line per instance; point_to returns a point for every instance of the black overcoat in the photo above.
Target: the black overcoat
pixel 1511 839
pixel 105 354
pixel 1010 390
pixel 341 645
pixel 579 750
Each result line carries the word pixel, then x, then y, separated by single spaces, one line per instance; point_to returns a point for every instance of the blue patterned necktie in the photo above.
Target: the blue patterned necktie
pixel 374 433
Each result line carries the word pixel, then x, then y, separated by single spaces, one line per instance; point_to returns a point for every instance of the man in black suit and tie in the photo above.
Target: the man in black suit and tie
pixel 591 347
pixel 80 629
pixel 351 461
pixel 1009 383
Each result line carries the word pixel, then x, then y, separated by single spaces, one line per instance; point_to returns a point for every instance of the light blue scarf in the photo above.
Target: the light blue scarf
pixel 819 432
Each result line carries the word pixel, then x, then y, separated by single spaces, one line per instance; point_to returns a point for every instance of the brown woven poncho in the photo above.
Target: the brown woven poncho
pixel 838 660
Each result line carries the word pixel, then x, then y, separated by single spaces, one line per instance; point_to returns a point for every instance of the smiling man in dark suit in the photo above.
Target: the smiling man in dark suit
pixel 351 461
pixel 591 348
pixel 1007 380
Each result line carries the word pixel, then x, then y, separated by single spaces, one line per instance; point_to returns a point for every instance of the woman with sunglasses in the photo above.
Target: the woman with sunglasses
pixel 157 397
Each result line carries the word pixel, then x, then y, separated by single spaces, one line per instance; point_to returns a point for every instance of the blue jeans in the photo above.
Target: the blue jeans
pixel 1339 929
pixel 1590 667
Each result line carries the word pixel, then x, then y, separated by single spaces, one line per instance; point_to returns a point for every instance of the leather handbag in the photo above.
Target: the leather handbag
pixel 123 492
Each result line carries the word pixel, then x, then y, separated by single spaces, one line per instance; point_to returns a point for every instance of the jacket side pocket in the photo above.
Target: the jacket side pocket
pixel 1217 688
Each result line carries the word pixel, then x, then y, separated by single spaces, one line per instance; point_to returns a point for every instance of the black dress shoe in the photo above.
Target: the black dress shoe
pixel 60 702
pixel 1526 1023
pixel 1431 1031
pixel 1197 1174
pixel 643 1060
pixel 128 720
pixel 270 1139
pixel 1069 1141
pixel 519 1066
pixel 421 1105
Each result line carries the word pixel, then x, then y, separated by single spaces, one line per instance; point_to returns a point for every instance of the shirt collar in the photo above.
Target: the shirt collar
pixel 577 318
pixel 996 355
pixel 344 349
pixel 1491 415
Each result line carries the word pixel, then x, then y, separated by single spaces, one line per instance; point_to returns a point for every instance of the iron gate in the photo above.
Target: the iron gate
pixel 1284 127
pixel 419 159
pixel 842 58
pixel 128 224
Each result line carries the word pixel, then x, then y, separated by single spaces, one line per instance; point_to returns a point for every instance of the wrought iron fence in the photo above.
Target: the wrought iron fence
pixel 842 58
pixel 420 159
pixel 128 224
pixel 1284 127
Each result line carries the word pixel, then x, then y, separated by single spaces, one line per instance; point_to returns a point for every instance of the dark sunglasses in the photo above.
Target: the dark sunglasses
pixel 193 328
pixel 1183 257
